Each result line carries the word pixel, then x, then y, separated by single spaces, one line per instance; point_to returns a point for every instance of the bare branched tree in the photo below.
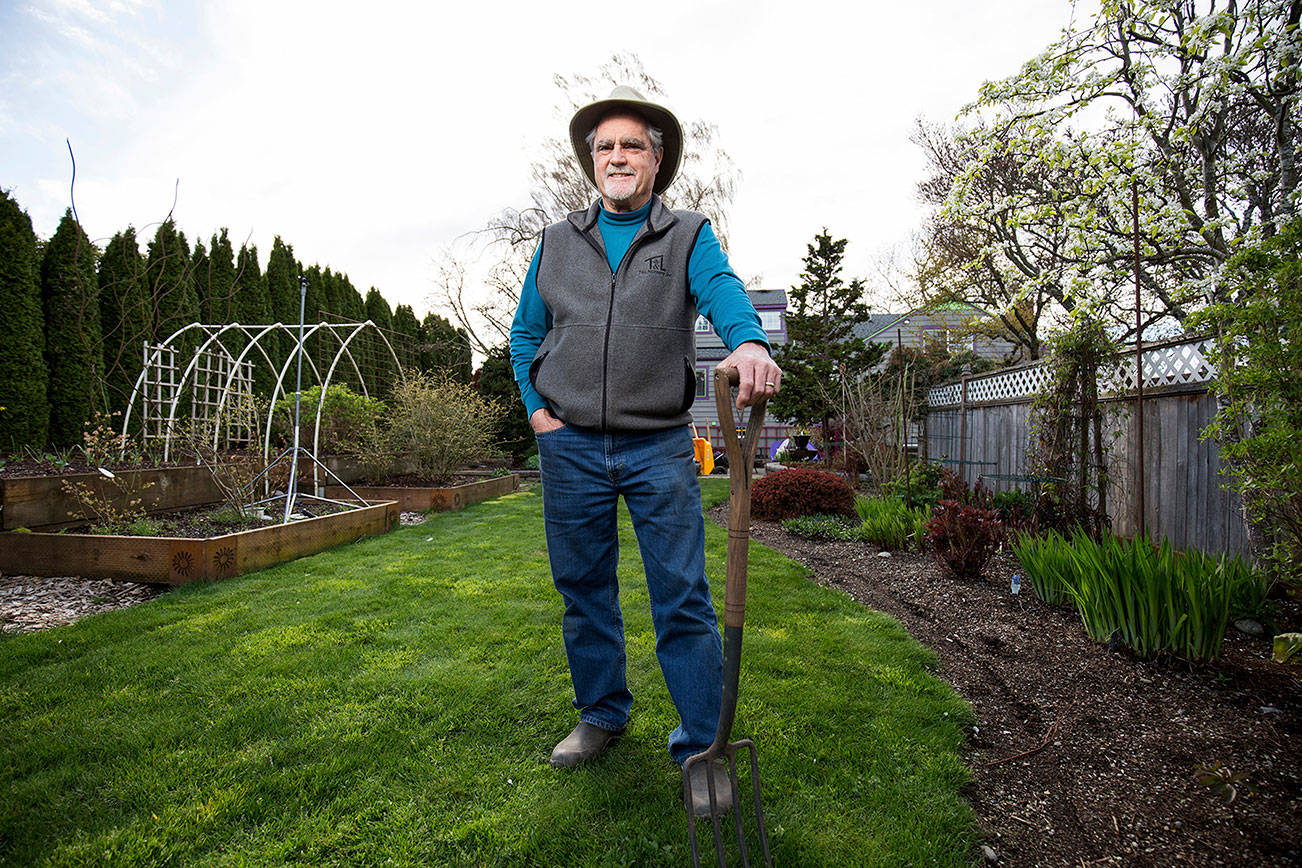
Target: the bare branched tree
pixel 706 182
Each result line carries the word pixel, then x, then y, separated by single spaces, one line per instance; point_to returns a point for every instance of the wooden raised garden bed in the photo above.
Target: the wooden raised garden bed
pixel 41 502
pixel 419 499
pixel 176 561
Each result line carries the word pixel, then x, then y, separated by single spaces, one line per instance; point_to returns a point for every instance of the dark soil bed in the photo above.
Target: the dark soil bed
pixel 27 466
pixel 206 523
pixel 1083 755
pixel 415 480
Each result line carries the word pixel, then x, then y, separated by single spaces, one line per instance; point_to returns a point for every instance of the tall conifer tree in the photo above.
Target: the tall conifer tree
pixel 282 294
pixel 24 411
pixel 126 316
pixel 381 362
pixel 444 348
pixel 73 348
pixel 252 308
pixel 200 266
pixel 217 302
pixel 171 287
pixel 821 348
pixel 406 337
pixel 351 303
pixel 329 296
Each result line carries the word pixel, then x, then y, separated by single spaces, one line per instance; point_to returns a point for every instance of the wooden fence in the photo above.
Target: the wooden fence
pixel 981 428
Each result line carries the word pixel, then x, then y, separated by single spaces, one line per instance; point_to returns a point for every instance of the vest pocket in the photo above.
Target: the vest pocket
pixel 535 365
pixel 689 386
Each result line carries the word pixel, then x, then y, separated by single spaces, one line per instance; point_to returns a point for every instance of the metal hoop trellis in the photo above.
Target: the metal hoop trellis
pixel 216 385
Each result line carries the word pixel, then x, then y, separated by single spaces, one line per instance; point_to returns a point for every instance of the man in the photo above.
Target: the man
pixel 603 350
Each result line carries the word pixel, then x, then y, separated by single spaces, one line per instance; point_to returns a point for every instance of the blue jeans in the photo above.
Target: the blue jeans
pixel 584 472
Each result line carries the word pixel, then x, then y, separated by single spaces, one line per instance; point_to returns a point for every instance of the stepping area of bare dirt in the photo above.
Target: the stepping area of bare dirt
pixel 1083 755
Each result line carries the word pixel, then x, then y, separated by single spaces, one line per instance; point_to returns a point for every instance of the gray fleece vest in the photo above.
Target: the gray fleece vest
pixel 621 353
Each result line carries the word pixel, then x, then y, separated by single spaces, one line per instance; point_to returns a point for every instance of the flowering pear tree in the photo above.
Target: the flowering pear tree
pixel 1191 104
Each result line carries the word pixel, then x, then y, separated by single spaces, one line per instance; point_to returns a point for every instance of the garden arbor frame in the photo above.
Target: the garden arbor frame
pixel 218 380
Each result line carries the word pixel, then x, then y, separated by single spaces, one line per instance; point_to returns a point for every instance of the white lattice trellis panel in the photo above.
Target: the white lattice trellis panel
pixel 159 390
pixel 1007 385
pixel 944 396
pixel 1167 365
pixel 1172 365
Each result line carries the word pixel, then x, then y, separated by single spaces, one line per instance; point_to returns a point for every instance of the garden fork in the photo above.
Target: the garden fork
pixel 741 455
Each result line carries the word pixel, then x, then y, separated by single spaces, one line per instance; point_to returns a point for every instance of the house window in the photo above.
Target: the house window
pixel 771 320
pixel 702 385
pixel 702 326
pixel 935 337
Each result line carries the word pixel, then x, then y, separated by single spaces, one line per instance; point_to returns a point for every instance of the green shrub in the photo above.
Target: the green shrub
pixel 347 420
pixel 920 486
pixel 1016 507
pixel 888 524
pixel 798 491
pixel 437 423
pixel 963 537
pixel 1152 598
pixel 821 527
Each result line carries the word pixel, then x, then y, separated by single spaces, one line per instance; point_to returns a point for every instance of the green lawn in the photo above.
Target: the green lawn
pixel 397 699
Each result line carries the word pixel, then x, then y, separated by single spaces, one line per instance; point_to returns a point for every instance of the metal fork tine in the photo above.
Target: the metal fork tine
pixel 714 816
pixel 736 803
pixel 759 804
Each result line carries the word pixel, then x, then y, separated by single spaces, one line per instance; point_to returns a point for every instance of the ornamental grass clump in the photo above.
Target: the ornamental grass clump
pixel 799 491
pixel 890 525
pixel 1049 565
pixel 1152 598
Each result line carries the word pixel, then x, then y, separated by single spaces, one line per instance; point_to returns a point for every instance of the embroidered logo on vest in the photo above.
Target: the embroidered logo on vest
pixel 655 265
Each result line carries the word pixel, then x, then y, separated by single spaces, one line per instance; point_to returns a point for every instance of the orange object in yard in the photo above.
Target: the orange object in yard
pixel 704 454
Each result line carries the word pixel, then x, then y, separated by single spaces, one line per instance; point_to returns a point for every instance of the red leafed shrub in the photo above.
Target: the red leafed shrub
pixel 964 537
pixel 798 491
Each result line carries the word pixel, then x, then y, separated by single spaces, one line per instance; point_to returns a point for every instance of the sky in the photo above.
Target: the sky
pixel 375 136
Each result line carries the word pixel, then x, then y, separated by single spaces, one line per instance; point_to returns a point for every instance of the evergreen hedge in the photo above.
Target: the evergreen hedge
pixel 24 412
pixel 70 296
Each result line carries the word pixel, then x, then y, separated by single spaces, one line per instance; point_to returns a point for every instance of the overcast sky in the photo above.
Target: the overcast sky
pixel 372 135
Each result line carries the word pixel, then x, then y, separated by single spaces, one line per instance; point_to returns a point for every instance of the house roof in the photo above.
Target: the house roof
pixel 768 297
pixel 877 324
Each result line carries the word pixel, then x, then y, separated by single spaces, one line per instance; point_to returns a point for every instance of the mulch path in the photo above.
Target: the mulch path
pixel 1083 755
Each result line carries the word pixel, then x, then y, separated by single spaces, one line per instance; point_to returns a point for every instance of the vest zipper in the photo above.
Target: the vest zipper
pixel 610 315
pixel 605 352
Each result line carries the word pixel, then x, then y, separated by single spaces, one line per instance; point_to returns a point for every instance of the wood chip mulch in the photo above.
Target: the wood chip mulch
pixel 30 603
pixel 1083 755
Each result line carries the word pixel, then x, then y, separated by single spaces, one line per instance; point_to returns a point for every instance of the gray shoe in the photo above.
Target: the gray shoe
pixel 718 769
pixel 586 742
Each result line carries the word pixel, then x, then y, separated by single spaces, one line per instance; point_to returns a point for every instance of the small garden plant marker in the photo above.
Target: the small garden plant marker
pixel 741 456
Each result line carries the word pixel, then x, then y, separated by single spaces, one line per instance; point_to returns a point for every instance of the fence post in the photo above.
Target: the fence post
pixel 962 424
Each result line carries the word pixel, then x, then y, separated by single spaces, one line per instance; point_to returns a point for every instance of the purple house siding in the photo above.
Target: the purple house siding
pixel 771 305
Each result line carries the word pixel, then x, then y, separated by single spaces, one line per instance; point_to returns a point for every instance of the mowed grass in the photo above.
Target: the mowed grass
pixel 395 701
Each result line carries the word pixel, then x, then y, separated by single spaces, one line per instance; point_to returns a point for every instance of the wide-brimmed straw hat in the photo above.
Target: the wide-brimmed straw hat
pixel 624 98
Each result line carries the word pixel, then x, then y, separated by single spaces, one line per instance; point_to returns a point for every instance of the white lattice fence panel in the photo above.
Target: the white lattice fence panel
pixel 1167 365
pixel 944 396
pixel 1007 385
pixel 1002 386
pixel 1172 365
